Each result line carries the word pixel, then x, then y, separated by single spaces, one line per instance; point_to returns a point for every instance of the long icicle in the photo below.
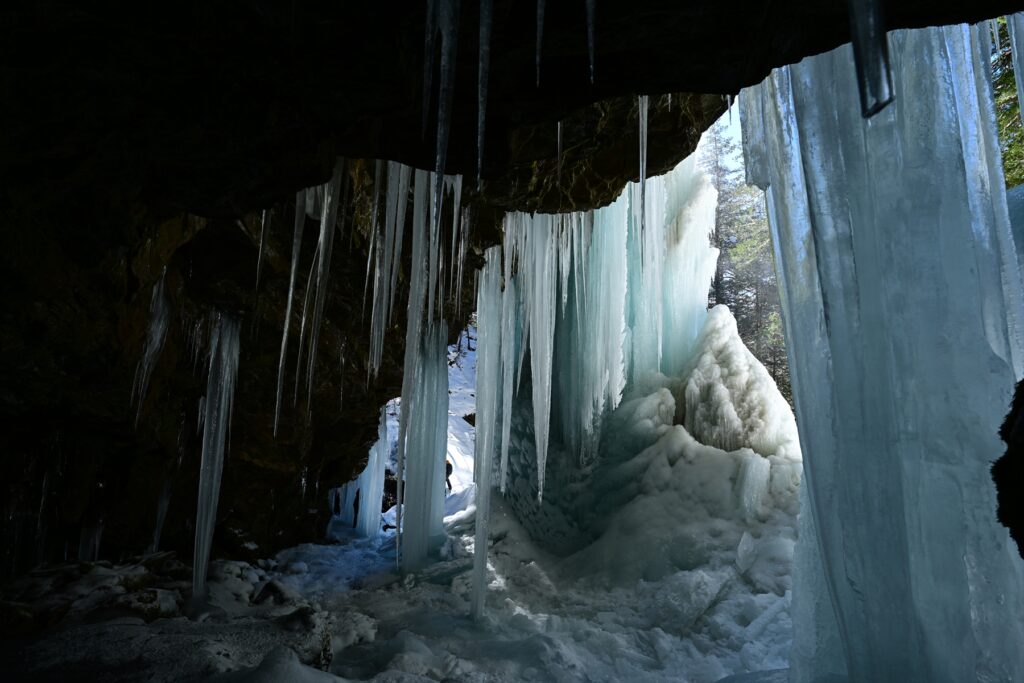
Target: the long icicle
pixel 429 50
pixel 486 19
pixel 591 15
pixel 448 21
pixel 373 252
pixel 300 221
pixel 332 196
pixel 540 35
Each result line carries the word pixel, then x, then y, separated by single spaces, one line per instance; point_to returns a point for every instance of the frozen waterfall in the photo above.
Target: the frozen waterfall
pixel 596 299
pixel 901 299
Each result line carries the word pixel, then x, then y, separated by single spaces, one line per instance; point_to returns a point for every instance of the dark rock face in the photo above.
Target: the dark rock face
pixel 120 127
pixel 1008 471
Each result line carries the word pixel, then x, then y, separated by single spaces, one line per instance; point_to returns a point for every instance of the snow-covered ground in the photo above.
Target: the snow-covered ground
pixel 686 576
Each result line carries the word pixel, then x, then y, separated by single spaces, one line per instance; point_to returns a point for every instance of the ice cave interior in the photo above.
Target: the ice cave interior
pixel 511 341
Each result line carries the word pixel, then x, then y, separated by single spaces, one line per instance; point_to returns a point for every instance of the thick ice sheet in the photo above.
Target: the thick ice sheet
pixel 901 295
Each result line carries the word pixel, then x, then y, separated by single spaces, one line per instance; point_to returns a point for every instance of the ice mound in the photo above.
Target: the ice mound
pixel 720 491
pixel 731 401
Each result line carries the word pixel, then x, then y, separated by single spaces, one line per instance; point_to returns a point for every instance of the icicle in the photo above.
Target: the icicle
pixel 413 333
pixel 429 51
pixel 997 43
pixel 307 304
pixel 219 399
pixel 591 15
pixel 300 221
pixel 486 19
pixel 156 334
pixel 327 227
pixel 463 248
pixel 642 107
pixel 508 356
pixel 540 35
pixel 264 223
pixel 449 23
pixel 559 176
pixel 427 438
pixel 373 252
pixel 541 287
pixel 456 219
pixel 670 101
pixel 488 371
pixel 871 55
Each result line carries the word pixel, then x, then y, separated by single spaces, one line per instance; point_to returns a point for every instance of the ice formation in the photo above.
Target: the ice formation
pixel 425 447
pixel 156 333
pixel 903 358
pixel 488 368
pixel 486 21
pixel 300 222
pixel 217 406
pixel 367 489
pixel 870 56
pixel 621 286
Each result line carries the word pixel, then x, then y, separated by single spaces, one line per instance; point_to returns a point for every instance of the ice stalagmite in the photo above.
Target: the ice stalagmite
pixel 367 488
pixel 222 370
pixel 371 481
pixel 486 20
pixel 488 385
pixel 300 222
pixel 897 228
pixel 156 334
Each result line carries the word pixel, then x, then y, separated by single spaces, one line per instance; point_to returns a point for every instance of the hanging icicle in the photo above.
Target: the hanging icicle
pixel 222 371
pixel 591 17
pixel 156 334
pixel 871 55
pixel 540 36
pixel 486 20
pixel 488 370
pixel 300 221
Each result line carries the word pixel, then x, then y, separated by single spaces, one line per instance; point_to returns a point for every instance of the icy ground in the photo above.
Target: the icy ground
pixel 686 578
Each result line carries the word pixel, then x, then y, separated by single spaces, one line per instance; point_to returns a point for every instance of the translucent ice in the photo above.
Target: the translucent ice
pixel 901 301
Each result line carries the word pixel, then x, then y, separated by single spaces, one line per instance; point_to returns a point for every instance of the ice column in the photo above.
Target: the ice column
pixel 488 384
pixel 897 228
pixel 217 404
pixel 425 449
